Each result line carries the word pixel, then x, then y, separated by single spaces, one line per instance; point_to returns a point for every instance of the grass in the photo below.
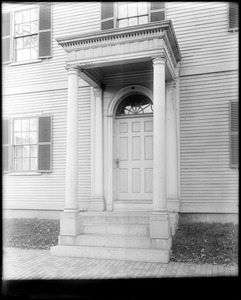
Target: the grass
pixel 194 243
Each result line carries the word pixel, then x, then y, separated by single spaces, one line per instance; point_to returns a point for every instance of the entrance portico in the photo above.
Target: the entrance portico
pixel 151 49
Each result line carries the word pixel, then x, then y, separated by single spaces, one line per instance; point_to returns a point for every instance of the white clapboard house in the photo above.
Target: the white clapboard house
pixel 121 119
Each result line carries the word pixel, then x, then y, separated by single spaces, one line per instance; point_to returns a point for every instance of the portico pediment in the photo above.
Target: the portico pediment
pixel 122 46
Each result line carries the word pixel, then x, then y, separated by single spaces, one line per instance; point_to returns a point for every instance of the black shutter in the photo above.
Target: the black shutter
pixel 157 11
pixel 5 145
pixel 6 37
pixel 234 134
pixel 45 31
pixel 107 15
pixel 233 15
pixel 45 144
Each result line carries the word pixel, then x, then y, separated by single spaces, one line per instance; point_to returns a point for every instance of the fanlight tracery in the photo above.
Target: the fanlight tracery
pixel 135 104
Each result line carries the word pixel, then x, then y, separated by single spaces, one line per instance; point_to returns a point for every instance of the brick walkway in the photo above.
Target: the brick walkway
pixel 39 264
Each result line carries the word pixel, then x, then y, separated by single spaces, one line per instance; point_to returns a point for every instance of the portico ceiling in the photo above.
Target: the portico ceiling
pixel 98 55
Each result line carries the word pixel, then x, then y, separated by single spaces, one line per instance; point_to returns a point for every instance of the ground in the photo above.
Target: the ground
pixel 194 243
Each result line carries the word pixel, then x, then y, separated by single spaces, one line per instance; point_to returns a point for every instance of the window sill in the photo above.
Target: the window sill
pixel 25 174
pixel 233 30
pixel 25 62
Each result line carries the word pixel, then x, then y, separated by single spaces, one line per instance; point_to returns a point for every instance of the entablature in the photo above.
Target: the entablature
pixel 123 46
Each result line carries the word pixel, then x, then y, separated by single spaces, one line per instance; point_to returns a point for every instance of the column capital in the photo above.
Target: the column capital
pixel 97 92
pixel 73 69
pixel 159 60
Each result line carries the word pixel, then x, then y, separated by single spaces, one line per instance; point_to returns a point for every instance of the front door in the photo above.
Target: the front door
pixel 134 159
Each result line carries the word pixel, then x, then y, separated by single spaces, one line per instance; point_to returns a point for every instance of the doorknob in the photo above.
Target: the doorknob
pixel 117 162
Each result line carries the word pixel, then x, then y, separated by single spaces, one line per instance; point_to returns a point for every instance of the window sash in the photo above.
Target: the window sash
pixel 17 158
pixel 27 53
pixel 129 17
pixel 37 152
pixel 111 19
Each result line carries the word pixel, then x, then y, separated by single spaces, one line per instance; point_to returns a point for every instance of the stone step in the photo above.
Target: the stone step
pixel 129 254
pixel 122 241
pixel 122 229
pixel 116 217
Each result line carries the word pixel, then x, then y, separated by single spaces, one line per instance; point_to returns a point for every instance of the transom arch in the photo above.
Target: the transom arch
pixel 134 104
pixel 124 93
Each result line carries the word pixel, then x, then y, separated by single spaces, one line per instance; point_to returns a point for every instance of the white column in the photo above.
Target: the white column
pixel 97 201
pixel 71 183
pixel 159 221
pixel 159 137
pixel 70 221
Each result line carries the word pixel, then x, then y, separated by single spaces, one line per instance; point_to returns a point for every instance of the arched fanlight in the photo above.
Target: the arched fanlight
pixel 135 104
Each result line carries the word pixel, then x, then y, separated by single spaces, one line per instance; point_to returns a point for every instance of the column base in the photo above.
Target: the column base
pixel 71 223
pixel 173 217
pixel 97 204
pixel 159 225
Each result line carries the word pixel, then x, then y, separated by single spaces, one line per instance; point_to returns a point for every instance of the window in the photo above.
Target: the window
pixel 135 104
pixel 28 36
pixel 132 13
pixel 31 144
pixel 124 14
pixel 234 134
pixel 233 16
pixel 25 144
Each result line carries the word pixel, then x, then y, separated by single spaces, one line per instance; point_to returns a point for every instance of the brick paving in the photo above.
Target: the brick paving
pixel 39 264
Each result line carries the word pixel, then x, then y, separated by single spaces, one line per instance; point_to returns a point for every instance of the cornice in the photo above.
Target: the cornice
pixel 148 31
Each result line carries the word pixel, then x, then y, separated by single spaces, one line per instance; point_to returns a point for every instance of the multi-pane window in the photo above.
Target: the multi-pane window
pixel 126 14
pixel 136 104
pixel 25 144
pixel 26 34
pixel 132 13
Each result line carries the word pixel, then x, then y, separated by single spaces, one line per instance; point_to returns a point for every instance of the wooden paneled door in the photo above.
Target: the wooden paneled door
pixel 134 158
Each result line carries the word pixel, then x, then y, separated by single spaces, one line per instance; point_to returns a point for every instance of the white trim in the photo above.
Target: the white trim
pixel 24 174
pixel 20 63
pixel 109 117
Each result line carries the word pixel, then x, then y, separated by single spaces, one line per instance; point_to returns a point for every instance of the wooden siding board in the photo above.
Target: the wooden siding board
pixel 204 142
pixel 32 191
pixel 84 18
pixel 201 30
pixel 202 33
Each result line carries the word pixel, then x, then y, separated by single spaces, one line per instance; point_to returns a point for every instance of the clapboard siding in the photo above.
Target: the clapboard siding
pixel 206 176
pixel 69 18
pixel 47 191
pixel 202 33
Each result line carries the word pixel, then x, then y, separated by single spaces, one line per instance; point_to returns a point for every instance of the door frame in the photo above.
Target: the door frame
pixel 109 119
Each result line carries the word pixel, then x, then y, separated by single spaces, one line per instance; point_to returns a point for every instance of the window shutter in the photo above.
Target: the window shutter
pixel 107 15
pixel 234 134
pixel 6 37
pixel 45 31
pixel 233 16
pixel 45 144
pixel 157 11
pixel 5 145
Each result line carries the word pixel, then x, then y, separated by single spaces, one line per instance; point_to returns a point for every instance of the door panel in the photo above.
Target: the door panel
pixel 134 155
